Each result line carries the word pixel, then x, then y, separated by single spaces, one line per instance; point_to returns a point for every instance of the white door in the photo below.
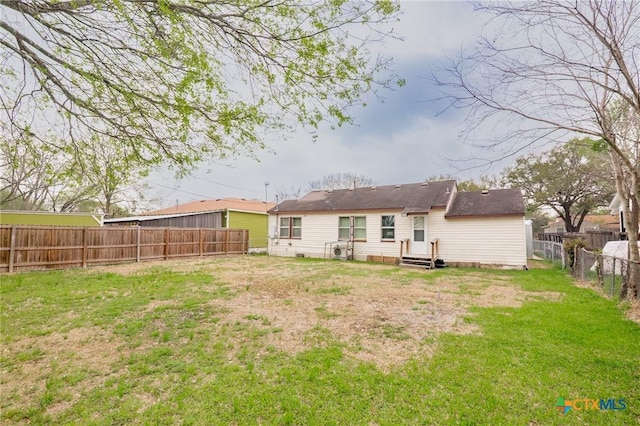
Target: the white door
pixel 418 243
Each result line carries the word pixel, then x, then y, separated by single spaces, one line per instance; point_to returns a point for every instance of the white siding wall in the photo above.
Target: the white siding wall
pixel 318 229
pixel 487 241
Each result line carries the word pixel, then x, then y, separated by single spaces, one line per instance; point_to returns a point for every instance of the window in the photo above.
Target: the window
pixel 360 228
pixel 344 228
pixel 388 227
pixel 290 227
pixel 418 228
pixel 353 228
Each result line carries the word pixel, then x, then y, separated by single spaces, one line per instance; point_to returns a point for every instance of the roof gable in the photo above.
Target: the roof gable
pixel 496 202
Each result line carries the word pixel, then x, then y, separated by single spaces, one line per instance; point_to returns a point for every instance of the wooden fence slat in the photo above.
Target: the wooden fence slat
pixel 138 244
pixel 166 243
pixel 12 248
pixel 85 251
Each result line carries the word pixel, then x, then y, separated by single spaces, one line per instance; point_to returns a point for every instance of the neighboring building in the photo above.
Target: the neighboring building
pixel 426 221
pixel 38 218
pixel 596 222
pixel 616 208
pixel 232 213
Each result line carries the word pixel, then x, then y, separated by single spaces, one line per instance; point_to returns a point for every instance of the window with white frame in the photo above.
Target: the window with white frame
pixel 360 228
pixel 418 228
pixel 352 228
pixel 388 229
pixel 291 227
pixel 344 228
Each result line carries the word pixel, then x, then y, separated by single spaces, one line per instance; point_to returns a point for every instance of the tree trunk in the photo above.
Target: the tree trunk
pixel 631 288
pixel 634 253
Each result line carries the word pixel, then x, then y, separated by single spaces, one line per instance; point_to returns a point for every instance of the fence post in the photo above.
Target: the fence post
pixel 138 244
pixel 201 248
pixel 12 248
pixel 226 241
pixel 613 277
pixel 166 243
pixel 85 255
pixel 245 237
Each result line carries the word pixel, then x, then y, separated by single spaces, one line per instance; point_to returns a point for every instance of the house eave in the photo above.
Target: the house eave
pixel 478 216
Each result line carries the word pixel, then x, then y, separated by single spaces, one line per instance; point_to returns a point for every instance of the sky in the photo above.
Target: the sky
pixel 400 139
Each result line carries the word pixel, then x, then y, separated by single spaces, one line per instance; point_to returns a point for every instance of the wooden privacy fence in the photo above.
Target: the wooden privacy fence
pixel 24 248
pixel 595 239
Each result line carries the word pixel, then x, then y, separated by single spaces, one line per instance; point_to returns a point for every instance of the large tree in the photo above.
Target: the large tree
pixel 37 176
pixel 115 174
pixel 181 80
pixel 344 180
pixel 552 69
pixel 572 179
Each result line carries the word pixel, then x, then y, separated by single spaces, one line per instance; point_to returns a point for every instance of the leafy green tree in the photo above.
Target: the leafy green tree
pixel 571 179
pixel 183 80
pixel 115 174
pixel 27 170
pixel 105 178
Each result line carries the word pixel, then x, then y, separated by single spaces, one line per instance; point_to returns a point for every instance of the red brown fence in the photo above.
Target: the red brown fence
pixel 24 248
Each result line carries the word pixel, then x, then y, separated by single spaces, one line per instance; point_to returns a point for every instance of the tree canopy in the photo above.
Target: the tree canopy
pixel 183 80
pixel 571 179
pixel 38 176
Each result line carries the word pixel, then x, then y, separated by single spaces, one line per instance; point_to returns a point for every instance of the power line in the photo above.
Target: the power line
pixel 228 186
pixel 201 195
pixel 179 190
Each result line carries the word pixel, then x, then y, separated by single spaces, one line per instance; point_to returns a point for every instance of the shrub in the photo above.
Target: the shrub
pixel 571 245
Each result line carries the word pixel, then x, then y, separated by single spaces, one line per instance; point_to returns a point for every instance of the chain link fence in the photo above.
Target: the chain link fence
pixel 551 251
pixel 608 272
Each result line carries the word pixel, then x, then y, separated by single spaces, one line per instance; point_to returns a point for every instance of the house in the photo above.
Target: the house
pixel 616 208
pixel 232 213
pixel 39 218
pixel 426 223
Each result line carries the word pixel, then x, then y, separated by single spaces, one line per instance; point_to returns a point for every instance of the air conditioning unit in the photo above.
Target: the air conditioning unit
pixel 340 253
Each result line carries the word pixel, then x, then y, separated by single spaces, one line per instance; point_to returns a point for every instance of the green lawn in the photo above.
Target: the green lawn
pixel 259 340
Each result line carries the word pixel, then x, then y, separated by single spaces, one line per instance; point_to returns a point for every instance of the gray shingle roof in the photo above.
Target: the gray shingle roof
pixel 496 202
pixel 412 197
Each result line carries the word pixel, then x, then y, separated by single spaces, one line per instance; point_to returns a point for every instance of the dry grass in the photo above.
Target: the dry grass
pixel 385 319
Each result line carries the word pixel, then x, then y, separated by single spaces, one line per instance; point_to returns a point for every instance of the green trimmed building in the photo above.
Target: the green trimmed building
pixel 39 218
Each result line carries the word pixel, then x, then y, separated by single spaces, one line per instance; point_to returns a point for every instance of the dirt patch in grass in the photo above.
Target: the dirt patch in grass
pixel 384 319
pixel 633 313
pixel 91 351
pixel 378 313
